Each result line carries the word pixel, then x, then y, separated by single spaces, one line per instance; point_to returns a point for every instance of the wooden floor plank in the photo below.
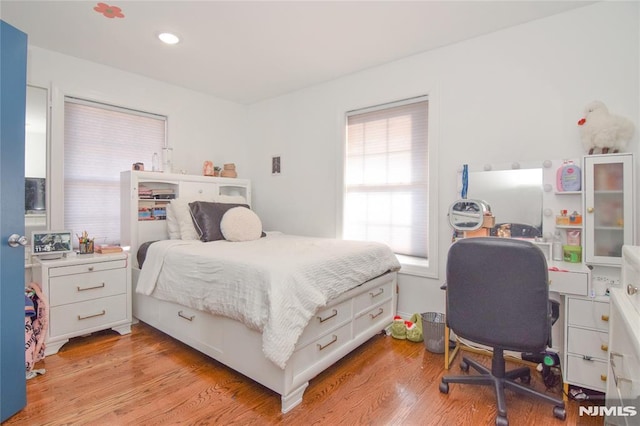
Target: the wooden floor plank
pixel 148 378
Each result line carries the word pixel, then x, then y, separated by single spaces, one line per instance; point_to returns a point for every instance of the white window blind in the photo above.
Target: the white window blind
pixel 100 141
pixel 386 177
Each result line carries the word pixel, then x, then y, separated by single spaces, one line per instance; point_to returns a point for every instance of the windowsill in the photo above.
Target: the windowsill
pixel 417 266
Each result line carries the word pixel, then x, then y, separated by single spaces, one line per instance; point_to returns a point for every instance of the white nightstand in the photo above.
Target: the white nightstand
pixel 86 293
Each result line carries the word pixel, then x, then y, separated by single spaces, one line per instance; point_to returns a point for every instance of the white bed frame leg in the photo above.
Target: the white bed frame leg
pixel 293 398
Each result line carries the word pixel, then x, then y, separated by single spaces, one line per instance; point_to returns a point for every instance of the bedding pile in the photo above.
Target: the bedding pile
pixel 273 284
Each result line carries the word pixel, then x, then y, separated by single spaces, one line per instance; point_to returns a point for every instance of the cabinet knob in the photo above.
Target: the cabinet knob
pixel 603 377
pixel 605 318
pixel 631 290
pixel 590 209
pixel 90 268
pixel 604 347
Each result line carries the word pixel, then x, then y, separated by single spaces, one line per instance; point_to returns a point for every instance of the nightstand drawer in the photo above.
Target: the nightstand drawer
pixel 80 287
pixel 87 267
pixel 588 313
pixel 90 315
pixel 590 343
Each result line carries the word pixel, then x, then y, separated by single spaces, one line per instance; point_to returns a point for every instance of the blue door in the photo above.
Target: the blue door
pixel 13 89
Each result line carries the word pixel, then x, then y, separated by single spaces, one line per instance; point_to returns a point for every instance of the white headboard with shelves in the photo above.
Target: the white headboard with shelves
pixel 144 193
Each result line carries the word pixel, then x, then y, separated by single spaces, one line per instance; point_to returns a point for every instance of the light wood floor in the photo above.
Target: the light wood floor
pixel 147 378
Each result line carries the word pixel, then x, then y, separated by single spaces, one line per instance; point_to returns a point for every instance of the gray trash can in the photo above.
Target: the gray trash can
pixel 433 331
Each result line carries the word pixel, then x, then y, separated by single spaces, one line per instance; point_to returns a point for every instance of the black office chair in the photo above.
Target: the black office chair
pixel 498 296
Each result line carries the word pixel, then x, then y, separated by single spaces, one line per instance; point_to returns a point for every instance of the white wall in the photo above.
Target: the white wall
pixel 200 127
pixel 514 95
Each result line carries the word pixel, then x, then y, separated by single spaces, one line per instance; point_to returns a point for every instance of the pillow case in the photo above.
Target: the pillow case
pixel 180 209
pixel 240 224
pixel 173 228
pixel 206 217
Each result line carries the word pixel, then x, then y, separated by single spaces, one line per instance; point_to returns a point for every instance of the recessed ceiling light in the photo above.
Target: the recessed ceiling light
pixel 169 38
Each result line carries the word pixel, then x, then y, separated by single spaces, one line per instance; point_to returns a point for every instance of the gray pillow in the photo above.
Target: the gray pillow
pixel 207 217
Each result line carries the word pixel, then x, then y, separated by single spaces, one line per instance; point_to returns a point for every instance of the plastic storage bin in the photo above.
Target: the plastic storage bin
pixel 433 324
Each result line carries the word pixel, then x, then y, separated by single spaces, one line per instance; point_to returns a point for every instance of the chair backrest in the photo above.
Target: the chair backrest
pixel 498 293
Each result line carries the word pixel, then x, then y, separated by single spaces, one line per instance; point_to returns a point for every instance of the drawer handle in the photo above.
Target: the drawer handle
pixel 333 314
pixel 181 315
pixel 586 357
pixel 376 294
pixel 604 318
pixel 90 268
pixel 91 288
pixel 604 347
pixel 373 316
pixel 80 318
pixel 334 339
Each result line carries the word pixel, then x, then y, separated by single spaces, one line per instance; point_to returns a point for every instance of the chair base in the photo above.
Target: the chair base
pixel 500 379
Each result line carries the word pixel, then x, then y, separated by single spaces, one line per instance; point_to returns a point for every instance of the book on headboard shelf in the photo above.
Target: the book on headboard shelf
pixel 108 248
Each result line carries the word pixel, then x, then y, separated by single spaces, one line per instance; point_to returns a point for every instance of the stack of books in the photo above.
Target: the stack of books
pixel 144 192
pixel 108 248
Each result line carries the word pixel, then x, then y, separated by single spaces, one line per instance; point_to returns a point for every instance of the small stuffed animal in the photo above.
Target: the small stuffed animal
pixel 604 131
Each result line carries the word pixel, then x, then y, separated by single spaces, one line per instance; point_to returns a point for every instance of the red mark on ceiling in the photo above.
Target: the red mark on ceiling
pixel 109 11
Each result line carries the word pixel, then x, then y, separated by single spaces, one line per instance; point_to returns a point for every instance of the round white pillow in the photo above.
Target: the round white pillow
pixel 241 224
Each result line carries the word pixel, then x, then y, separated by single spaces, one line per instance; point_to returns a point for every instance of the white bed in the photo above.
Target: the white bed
pixel 347 294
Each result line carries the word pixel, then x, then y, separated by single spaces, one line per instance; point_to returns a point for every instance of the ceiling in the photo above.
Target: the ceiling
pixel 247 51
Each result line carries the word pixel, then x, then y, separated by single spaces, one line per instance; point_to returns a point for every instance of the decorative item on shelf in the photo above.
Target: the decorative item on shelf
pixel 563 219
pixel 167 160
pixel 217 170
pixel 207 168
pixel 229 171
pixel 600 130
pixel 138 166
pixel 85 244
pixel 155 162
pixel 572 254
pixel 575 218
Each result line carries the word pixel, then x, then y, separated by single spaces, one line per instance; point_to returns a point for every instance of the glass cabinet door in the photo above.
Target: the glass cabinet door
pixel 609 207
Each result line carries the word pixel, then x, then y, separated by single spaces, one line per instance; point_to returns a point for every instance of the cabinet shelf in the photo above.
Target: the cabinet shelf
pixel 568 226
pixel 568 192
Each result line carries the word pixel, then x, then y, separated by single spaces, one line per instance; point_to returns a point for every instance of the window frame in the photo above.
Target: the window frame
pixel 410 265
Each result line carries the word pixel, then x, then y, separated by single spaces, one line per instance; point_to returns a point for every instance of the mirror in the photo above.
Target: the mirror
pixel 467 215
pixel 515 197
pixel 35 159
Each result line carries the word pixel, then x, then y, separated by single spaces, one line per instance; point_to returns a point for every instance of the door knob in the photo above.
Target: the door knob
pixel 16 240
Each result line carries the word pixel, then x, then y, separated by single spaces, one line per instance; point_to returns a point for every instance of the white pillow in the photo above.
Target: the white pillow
pixel 182 214
pixel 173 228
pixel 241 224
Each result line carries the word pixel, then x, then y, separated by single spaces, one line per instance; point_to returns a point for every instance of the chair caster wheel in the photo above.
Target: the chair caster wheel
pixel 559 413
pixel 502 421
pixel 464 366
pixel 444 388
pixel 526 379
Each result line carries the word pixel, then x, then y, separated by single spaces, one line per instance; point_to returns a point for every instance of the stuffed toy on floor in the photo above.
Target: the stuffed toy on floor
pixel 600 130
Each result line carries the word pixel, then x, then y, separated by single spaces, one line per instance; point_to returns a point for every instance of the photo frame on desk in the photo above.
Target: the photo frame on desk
pixel 51 244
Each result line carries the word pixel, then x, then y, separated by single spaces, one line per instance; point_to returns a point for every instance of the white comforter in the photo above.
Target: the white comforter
pixel 273 285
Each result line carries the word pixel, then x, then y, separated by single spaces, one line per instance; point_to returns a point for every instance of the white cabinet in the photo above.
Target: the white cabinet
pixel 86 293
pixel 137 226
pixel 623 387
pixel 587 339
pixel 609 207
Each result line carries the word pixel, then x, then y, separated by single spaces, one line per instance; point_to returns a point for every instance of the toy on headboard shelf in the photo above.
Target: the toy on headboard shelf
pixel 604 131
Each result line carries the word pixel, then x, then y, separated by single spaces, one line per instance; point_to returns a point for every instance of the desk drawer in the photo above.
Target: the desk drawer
pixel 588 313
pixel 87 316
pixel 591 343
pixel 569 282
pixel 590 374
pixel 92 285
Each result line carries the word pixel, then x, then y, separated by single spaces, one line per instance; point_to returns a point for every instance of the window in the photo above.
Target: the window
pixel 100 141
pixel 387 177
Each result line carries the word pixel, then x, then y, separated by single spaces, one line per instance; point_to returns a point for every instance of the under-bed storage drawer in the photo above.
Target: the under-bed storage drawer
pixel 191 325
pixel 325 320
pixel 88 316
pixel 372 297
pixel 321 348
pixel 379 316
